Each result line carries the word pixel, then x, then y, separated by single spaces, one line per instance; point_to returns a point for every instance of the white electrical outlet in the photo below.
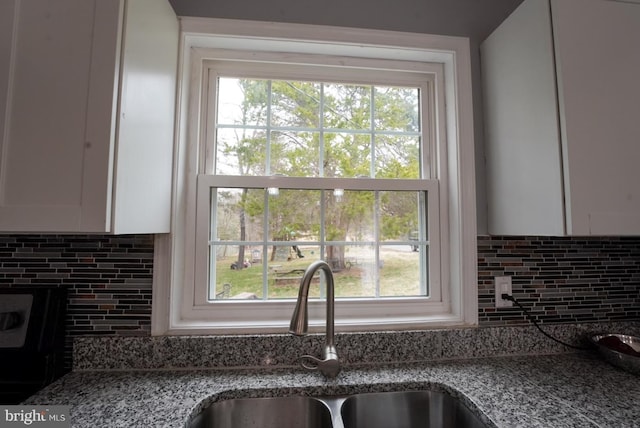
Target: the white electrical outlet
pixel 502 286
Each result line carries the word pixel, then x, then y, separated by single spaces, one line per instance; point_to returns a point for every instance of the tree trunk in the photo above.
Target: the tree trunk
pixel 243 230
pixel 335 257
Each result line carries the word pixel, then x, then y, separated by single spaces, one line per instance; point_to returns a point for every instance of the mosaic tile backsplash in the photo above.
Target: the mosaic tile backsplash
pixel 108 278
pixel 561 280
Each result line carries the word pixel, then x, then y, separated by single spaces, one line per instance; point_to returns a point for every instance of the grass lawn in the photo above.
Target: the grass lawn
pixel 399 276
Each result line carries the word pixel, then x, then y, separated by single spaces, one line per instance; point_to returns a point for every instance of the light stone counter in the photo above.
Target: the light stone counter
pixel 560 391
pixel 512 377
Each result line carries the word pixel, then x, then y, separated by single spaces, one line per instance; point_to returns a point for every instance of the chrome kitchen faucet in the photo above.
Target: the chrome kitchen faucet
pixel 329 364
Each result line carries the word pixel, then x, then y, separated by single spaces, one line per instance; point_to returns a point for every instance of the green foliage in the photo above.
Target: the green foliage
pixel 398 214
pixel 344 148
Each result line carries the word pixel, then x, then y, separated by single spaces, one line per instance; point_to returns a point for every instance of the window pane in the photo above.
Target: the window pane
pixel 240 151
pixel 400 271
pixel 238 214
pixel 287 263
pixel 349 216
pixel 347 106
pixel 295 154
pixel 295 104
pixel 400 215
pixel 347 155
pixel 397 109
pixel 294 215
pixel 397 156
pixel 354 270
pixel 234 279
pixel 242 101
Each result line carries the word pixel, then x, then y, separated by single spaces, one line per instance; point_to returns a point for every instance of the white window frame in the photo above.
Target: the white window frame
pixel 178 304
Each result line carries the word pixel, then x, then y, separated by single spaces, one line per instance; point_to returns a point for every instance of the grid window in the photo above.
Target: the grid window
pixel 330 169
pixel 350 145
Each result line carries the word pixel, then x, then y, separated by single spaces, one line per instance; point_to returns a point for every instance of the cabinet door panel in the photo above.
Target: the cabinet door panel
pixel 524 175
pixel 43 144
pixel 43 150
pixel 598 62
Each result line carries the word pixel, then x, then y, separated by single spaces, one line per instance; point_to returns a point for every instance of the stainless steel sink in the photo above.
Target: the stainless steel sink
pixel 405 409
pixel 278 412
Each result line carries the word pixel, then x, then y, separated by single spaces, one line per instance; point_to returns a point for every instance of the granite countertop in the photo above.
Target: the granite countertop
pixel 551 391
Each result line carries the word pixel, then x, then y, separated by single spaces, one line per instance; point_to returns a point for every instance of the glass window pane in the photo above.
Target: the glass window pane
pixel 240 151
pixel 400 271
pixel 353 269
pixel 242 101
pixel 286 266
pixel 347 155
pixel 349 216
pixel 295 154
pixel 397 109
pixel 399 215
pixel 397 156
pixel 295 104
pixel 347 106
pixel 236 273
pixel 238 214
pixel 294 215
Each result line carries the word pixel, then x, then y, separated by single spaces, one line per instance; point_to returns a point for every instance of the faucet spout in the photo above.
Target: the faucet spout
pixel 329 364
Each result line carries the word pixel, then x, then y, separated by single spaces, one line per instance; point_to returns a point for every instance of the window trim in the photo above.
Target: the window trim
pixel 174 315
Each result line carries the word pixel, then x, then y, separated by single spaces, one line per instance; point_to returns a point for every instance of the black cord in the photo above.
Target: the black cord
pixel 528 314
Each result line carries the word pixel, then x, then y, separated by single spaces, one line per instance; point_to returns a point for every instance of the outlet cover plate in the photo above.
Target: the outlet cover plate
pixel 502 285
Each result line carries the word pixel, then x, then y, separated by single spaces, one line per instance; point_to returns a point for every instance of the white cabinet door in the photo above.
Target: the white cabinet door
pixel 522 142
pixel 597 45
pixel 87 90
pixel 47 79
pixel 562 119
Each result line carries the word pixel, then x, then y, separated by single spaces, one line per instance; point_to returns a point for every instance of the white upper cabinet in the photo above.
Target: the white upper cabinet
pixel 562 116
pixel 87 100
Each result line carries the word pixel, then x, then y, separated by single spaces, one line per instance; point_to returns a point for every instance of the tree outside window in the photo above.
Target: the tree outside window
pixel 264 237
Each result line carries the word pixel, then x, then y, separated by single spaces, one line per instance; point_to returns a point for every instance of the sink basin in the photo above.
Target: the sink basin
pixel 407 409
pixel 278 412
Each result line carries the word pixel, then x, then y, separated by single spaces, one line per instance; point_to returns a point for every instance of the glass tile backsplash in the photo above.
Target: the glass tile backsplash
pixel 108 278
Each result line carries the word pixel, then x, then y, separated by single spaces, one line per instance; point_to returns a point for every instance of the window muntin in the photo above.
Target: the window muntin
pixel 271 128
